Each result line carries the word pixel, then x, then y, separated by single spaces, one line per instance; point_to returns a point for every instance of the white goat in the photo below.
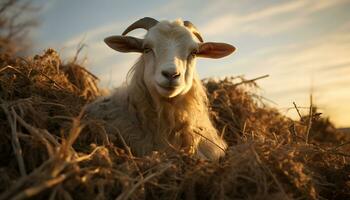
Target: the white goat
pixel 164 106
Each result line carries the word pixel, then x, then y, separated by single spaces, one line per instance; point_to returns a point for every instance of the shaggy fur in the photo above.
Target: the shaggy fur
pixel 149 122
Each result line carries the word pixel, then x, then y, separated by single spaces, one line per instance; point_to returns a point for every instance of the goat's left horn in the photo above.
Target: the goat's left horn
pixel 194 30
pixel 145 23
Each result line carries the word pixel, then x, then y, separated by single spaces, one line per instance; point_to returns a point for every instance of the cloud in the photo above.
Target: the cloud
pixel 320 67
pixel 93 34
pixel 311 60
pixel 243 22
pixel 114 73
pixel 163 9
pixel 261 30
pixel 275 18
pixel 336 67
pixel 322 5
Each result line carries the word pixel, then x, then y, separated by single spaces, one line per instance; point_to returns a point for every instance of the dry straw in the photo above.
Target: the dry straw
pixel 49 151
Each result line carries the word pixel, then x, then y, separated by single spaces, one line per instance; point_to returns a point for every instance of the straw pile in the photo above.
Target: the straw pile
pixel 49 151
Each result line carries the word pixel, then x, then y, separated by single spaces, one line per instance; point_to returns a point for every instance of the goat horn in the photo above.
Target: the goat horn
pixel 194 30
pixel 145 23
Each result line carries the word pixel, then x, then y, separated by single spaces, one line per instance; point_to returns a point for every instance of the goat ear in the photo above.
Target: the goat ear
pixel 215 50
pixel 124 43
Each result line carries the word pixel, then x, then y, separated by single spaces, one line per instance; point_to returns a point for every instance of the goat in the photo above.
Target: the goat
pixel 164 105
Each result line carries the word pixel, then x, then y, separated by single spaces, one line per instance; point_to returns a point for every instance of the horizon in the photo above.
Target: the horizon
pixel 302 45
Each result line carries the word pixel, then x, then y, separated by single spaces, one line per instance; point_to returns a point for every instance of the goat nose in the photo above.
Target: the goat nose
pixel 171 75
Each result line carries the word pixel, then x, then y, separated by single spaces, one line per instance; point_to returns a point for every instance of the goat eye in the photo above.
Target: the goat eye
pixel 147 50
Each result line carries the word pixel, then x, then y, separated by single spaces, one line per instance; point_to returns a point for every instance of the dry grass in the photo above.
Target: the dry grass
pixel 49 152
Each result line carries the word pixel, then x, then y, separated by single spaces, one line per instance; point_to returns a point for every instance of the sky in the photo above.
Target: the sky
pixel 304 46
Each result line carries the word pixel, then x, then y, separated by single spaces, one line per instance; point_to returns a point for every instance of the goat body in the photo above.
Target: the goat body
pixel 152 118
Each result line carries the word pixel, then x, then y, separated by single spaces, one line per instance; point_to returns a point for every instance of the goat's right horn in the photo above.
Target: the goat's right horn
pixel 145 23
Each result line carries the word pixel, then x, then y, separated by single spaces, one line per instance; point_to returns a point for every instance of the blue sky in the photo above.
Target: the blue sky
pixel 303 45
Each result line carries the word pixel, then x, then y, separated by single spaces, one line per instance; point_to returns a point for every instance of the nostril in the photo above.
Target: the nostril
pixel 166 74
pixel 170 75
pixel 176 75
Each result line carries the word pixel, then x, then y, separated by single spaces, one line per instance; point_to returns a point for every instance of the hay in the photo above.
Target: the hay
pixel 49 152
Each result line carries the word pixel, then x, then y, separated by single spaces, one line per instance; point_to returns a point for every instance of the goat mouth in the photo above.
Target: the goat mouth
pixel 168 87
